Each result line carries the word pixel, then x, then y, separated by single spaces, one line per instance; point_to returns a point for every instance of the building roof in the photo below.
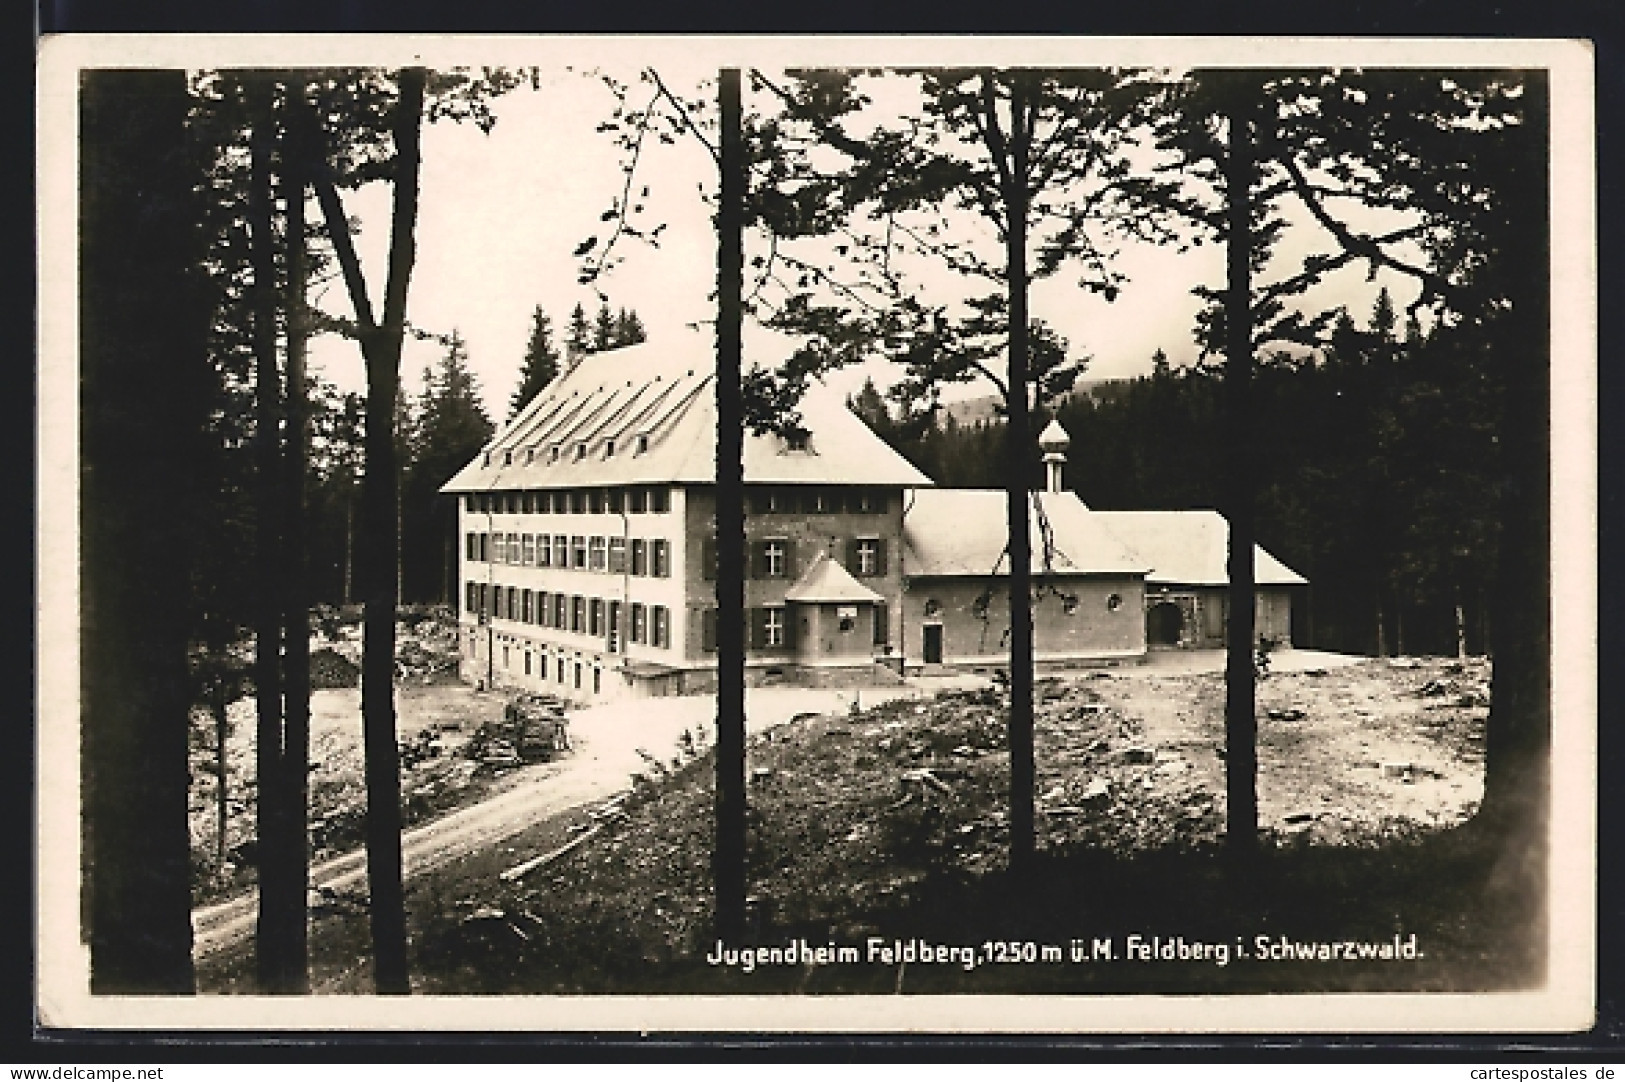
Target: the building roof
pixel 646 414
pixel 962 531
pixel 1189 547
pixel 827 581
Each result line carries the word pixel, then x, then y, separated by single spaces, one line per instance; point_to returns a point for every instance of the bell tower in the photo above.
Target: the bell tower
pixel 1053 441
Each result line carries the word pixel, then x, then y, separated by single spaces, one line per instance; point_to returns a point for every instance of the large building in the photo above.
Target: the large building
pixel 588 524
pixel 589 563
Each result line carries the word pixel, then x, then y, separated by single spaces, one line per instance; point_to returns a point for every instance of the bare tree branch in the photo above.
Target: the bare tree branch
pixel 1359 245
pixel 682 113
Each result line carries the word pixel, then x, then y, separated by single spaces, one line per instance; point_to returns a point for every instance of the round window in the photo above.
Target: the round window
pixel 1114 602
pixel 933 607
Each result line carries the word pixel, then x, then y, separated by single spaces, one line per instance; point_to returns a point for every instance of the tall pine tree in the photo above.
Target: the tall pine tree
pixel 604 329
pixel 541 364
pixel 578 341
pixel 629 328
pixel 449 428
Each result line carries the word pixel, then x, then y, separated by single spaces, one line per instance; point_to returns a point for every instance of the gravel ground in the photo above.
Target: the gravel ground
pixel 854 816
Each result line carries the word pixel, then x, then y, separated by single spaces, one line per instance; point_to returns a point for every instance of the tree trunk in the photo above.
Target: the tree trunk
pixel 1518 736
pixel 400 555
pixel 448 569
pixel 1017 496
pixel 729 858
pixel 349 537
pixel 1240 720
pixel 222 806
pixel 144 382
pixel 295 596
pixel 381 547
pixel 271 940
pixel 1461 625
pixel 1382 631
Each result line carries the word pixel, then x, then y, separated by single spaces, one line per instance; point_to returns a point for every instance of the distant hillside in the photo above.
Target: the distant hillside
pixel 975 411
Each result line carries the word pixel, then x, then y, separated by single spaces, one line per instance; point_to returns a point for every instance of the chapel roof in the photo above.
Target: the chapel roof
pixel 1189 548
pixel 825 580
pixel 962 531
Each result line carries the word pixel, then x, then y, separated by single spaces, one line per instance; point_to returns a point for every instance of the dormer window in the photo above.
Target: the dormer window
pixel 797 441
pixel 530 455
pixel 642 446
pixel 609 448
pixel 507 458
pixel 487 460
pixel 581 450
pixel 553 453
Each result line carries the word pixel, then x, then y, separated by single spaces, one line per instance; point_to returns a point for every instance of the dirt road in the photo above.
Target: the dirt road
pixel 606 755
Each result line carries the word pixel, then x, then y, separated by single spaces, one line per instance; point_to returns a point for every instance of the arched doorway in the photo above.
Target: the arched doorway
pixel 1163 624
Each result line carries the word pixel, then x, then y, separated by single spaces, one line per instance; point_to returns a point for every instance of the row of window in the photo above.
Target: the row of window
pixel 572 501
pixel 562 666
pixel 645 557
pixel 576 451
pixel 814 500
pixel 769 627
pixel 648 625
pixel 775 557
pixel 639 500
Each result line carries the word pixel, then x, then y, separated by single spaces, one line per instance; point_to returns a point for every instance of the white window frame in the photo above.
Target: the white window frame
pixel 773 555
pixel 868 556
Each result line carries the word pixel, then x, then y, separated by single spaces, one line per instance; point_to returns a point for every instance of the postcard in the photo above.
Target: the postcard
pixel 840 535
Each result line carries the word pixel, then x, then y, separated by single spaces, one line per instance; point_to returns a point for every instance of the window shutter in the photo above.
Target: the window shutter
pixel 882 624
pixel 758 628
pixel 789 559
pixel 880 556
pixel 852 555
pixel 708 558
pixel 791 626
pixel 708 629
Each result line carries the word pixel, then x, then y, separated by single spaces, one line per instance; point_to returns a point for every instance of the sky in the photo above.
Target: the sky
pixel 502 213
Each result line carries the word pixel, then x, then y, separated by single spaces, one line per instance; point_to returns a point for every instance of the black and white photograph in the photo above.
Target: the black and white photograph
pixel 817 535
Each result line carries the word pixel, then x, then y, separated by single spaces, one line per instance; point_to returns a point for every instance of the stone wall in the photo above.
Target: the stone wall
pixel 1075 616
